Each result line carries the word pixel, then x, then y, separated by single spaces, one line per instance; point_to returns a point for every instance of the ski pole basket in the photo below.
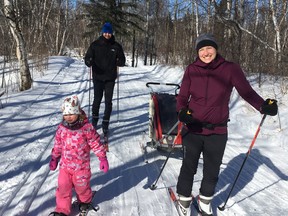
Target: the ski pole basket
pixel 164 127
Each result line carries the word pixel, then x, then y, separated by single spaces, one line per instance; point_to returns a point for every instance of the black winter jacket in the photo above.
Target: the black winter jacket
pixel 104 56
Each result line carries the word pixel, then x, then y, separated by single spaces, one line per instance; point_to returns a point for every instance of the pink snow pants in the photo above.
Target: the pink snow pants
pixel 68 179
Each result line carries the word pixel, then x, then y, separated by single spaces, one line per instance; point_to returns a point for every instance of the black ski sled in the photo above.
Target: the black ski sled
pixel 164 127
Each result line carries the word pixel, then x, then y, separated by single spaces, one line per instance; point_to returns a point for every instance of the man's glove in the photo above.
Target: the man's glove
pixel 88 62
pixel 185 116
pixel 53 163
pixel 104 165
pixel 269 107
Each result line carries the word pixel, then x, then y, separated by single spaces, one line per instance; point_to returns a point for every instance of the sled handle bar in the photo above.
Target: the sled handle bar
pixel 158 83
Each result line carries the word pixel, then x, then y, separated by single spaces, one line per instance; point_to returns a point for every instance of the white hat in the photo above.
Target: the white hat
pixel 71 105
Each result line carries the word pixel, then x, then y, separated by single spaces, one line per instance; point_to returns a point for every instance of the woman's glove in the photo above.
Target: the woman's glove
pixel 104 165
pixel 185 116
pixel 53 163
pixel 269 107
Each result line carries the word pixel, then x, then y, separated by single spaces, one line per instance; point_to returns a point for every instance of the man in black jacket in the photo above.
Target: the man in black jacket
pixel 104 55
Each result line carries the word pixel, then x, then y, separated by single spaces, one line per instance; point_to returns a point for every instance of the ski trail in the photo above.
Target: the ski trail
pixel 139 115
pixel 37 96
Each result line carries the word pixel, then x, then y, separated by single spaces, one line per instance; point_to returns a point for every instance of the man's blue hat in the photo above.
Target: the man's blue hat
pixel 107 28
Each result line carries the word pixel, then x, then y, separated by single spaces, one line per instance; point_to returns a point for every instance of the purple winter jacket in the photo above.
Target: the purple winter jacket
pixel 209 87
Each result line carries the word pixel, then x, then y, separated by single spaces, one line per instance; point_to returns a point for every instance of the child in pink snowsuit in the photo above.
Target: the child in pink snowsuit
pixel 74 139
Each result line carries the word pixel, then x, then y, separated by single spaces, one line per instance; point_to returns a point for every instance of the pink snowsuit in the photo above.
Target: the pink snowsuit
pixel 73 147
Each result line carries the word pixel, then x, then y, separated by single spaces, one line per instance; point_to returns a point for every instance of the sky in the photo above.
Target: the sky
pixel 29 120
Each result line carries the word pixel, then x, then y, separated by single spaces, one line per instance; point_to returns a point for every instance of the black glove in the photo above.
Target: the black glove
pixel 269 107
pixel 88 62
pixel 185 116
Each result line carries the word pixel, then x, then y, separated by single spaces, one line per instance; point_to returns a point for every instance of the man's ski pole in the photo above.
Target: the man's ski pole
pixel 222 208
pixel 89 80
pixel 153 186
pixel 117 94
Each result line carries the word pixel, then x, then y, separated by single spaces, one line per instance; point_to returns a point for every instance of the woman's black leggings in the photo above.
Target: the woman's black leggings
pixel 212 147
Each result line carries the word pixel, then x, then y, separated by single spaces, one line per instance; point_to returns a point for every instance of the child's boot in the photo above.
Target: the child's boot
pixel 84 207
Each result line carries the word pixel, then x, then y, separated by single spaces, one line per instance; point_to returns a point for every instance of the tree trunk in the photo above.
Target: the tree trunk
pixel 133 48
pixel 64 34
pixel 277 43
pixel 21 53
pixel 146 32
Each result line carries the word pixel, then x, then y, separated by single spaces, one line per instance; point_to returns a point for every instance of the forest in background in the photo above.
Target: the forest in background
pixel 251 33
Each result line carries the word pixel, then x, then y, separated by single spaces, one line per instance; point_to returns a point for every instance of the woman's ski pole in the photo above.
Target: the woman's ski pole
pixel 222 208
pixel 153 186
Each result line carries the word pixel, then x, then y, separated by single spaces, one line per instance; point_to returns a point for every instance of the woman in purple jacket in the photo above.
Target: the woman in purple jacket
pixel 202 105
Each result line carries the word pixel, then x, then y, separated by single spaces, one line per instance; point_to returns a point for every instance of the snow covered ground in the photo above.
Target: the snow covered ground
pixel 29 119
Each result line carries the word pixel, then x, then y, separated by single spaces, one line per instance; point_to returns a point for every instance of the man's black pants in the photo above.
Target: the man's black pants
pixel 101 88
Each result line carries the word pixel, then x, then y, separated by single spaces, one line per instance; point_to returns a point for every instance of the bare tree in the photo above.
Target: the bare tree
pixel 12 17
pixel 252 33
pixel 61 25
pixel 147 24
pixel 277 22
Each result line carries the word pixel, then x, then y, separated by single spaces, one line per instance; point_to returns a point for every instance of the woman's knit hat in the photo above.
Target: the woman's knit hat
pixel 107 28
pixel 205 40
pixel 71 106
